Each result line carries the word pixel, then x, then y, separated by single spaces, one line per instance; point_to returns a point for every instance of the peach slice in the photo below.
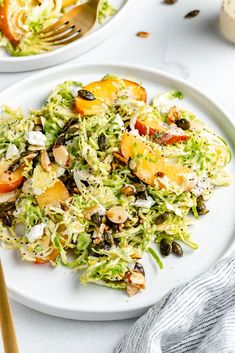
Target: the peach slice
pixel 149 164
pixel 10 181
pixel 66 3
pixel 148 127
pixel 10 12
pixel 53 196
pixel 105 91
pixel 152 127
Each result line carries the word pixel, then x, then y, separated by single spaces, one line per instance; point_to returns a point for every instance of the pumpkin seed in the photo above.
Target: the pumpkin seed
pixel 142 195
pixel 170 2
pixel 201 207
pixel 162 218
pixel 192 14
pixel 176 249
pixel 108 238
pixel 128 190
pixel 96 219
pixel 139 267
pixel 139 187
pixel 69 123
pixel 6 220
pixel 165 247
pixel 7 206
pixel 184 124
pixel 87 95
pixel 102 142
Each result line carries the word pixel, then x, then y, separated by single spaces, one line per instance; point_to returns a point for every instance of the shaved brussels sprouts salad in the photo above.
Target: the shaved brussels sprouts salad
pixel 22 20
pixel 97 177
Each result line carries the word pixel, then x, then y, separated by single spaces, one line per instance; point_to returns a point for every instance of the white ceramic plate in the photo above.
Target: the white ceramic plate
pixel 78 47
pixel 57 291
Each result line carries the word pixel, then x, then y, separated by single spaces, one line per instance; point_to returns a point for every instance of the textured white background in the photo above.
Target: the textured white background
pixel 192 49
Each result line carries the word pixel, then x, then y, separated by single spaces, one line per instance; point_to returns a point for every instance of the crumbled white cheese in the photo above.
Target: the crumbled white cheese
pixel 36 138
pixel 118 120
pixel 12 152
pixel 36 232
pixel 83 175
pixel 101 210
pixel 201 186
pixel 133 122
pixel 190 180
pixel 145 203
pixel 173 208
pixel 27 186
pixel 60 171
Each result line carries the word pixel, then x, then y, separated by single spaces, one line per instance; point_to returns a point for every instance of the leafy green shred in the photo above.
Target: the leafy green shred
pixel 106 10
pixel 28 212
pixel 176 94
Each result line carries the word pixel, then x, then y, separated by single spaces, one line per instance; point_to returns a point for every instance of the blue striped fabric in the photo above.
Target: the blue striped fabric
pixel 196 317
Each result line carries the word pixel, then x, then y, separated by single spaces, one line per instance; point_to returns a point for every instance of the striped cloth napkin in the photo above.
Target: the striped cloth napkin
pixel 196 317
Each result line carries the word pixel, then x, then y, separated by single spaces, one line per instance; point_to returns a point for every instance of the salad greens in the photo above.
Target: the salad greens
pixel 79 203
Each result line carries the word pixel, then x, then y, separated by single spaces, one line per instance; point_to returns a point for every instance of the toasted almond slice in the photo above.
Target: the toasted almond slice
pixel 135 278
pixel 35 148
pixel 120 157
pixel 61 155
pixel 117 214
pixel 9 196
pixel 29 157
pixel 132 290
pixel 45 161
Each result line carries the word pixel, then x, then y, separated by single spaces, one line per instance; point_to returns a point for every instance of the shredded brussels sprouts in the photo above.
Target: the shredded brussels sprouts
pixel 76 187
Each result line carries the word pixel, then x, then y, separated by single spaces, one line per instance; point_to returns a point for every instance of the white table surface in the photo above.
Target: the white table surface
pixel 192 49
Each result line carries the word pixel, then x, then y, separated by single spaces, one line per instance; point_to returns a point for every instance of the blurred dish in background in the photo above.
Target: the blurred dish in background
pixel 227 19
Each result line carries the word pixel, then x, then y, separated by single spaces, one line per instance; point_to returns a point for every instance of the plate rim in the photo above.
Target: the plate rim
pixel 70 46
pixel 132 310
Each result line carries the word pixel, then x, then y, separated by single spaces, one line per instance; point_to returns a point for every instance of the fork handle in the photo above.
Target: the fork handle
pixel 6 321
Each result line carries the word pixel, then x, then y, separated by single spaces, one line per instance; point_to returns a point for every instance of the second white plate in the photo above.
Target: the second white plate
pixel 98 35
pixel 58 291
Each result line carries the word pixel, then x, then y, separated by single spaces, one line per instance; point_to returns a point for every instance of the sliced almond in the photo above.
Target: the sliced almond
pixel 117 214
pixel 90 211
pixel 143 34
pixel 35 148
pixel 9 196
pixel 135 278
pixel 45 161
pixel 173 115
pixel 98 234
pixel 120 158
pixel 132 290
pixel 61 155
pixel 29 157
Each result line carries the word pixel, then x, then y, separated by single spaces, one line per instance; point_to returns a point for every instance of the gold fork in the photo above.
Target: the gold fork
pixel 6 321
pixel 73 25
